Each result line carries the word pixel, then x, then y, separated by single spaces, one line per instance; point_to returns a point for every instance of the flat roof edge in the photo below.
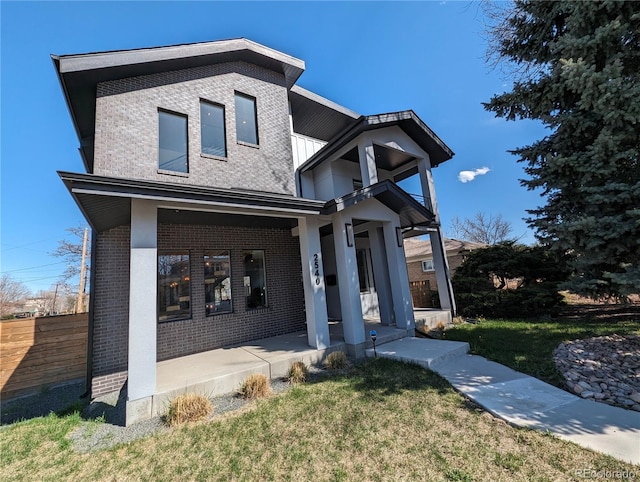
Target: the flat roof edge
pixel 296 89
pixel 117 58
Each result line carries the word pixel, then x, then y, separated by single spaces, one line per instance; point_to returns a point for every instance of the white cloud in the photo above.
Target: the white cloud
pixel 468 176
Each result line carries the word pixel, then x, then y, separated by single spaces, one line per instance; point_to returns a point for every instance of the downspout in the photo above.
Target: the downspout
pixel 92 301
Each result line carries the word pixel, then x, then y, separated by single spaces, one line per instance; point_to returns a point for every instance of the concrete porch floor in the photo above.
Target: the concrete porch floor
pixel 221 371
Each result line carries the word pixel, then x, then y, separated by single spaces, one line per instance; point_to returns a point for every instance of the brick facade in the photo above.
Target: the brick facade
pixel 126 128
pixel 285 295
pixel 285 313
pixel 111 310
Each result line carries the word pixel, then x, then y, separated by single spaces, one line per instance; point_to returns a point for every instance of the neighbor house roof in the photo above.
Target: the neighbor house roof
pixel 420 248
pixel 80 74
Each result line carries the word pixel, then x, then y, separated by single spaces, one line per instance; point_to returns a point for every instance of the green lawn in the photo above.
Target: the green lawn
pixel 381 420
pixel 527 346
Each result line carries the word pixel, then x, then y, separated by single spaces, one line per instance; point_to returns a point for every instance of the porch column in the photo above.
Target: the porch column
pixel 348 283
pixel 315 297
pixel 440 263
pixel 381 276
pixel 141 383
pixel 368 168
pixel 398 278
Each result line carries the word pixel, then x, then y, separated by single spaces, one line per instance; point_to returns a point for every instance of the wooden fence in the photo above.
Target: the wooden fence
pixel 421 294
pixel 40 353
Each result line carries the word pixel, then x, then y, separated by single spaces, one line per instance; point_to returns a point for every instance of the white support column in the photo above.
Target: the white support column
pixel 348 283
pixel 381 276
pixel 399 278
pixel 313 280
pixel 440 263
pixel 368 168
pixel 141 385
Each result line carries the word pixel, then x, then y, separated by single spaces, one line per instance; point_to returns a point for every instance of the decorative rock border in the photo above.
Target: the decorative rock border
pixel 605 369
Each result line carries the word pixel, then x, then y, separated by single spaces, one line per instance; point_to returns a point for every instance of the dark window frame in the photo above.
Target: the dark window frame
pixel 224 128
pixel 182 317
pixel 237 94
pixel 363 275
pixel 162 110
pixel 210 252
pixel 264 296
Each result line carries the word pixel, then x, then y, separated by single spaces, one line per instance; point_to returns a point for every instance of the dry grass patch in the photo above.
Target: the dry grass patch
pixel 188 407
pixel 336 360
pixel 379 421
pixel 298 373
pixel 255 386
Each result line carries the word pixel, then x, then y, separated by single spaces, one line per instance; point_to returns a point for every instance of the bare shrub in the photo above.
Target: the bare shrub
pixel 188 407
pixel 336 360
pixel 297 372
pixel 255 386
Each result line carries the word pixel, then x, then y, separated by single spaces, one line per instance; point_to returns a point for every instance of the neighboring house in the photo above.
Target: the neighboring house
pixel 229 204
pixel 421 266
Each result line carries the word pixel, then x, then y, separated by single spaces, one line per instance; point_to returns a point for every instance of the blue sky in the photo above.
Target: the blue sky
pixel 370 57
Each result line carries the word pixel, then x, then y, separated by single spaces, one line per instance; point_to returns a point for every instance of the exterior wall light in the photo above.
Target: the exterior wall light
pixel 349 230
pixel 399 238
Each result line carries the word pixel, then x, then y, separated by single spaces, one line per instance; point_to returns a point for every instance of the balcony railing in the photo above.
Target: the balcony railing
pixel 426 202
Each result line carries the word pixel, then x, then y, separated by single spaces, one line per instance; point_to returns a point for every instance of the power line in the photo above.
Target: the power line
pixel 34 267
pixel 4 248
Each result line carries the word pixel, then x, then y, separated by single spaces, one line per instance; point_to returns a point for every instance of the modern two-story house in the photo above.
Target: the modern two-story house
pixel 229 204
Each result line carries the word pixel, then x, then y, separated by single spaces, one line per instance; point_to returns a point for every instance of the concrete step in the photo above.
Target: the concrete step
pixel 428 320
pixel 424 352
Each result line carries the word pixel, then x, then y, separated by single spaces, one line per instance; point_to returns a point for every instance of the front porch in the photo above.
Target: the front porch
pixel 221 371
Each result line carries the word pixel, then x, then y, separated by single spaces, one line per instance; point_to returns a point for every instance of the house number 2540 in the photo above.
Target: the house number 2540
pixel 316 268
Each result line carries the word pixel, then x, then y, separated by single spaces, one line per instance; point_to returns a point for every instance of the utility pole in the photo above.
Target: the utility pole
pixel 55 295
pixel 80 303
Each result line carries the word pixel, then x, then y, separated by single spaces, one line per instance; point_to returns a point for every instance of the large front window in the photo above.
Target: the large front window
pixel 255 279
pixel 174 298
pixel 217 282
pixel 246 119
pixel 212 129
pixel 172 144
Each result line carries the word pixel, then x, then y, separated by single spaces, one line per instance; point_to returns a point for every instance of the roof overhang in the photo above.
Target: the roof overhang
pixel 317 117
pixel 106 201
pixel 80 74
pixel 412 214
pixel 407 120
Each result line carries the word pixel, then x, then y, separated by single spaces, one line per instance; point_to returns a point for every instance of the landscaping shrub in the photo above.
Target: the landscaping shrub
pixel 336 360
pixel 255 386
pixel 298 372
pixel 188 407
pixel 509 280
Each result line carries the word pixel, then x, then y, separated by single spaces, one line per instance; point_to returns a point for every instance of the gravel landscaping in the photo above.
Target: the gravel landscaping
pixel 104 425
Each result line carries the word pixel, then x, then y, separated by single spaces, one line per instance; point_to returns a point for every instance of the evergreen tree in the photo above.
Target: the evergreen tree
pixel 578 71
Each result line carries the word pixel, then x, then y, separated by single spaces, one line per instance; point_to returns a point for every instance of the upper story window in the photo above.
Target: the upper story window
pixel 212 132
pixel 172 152
pixel 246 119
pixel 427 265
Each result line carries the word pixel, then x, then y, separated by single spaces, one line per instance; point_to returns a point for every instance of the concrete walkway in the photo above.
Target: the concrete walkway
pixel 522 400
